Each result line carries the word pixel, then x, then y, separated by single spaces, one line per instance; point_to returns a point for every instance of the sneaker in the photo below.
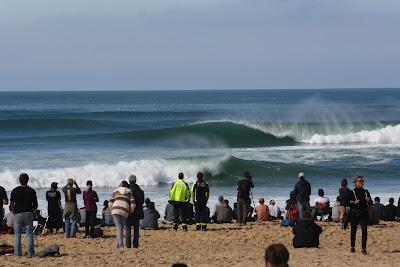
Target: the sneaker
pixel 135 245
pixel 198 227
pixel 352 250
pixel 364 252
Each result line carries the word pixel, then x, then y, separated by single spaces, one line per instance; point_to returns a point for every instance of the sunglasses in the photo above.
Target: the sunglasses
pixel 360 181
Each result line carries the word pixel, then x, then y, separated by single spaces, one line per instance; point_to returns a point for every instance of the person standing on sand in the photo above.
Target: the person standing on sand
pixel 54 213
pixel 23 204
pixel 90 199
pixel 243 198
pixel 302 191
pixel 71 207
pixel 122 203
pixel 200 195
pixel 179 197
pixel 276 255
pixel 360 200
pixel 137 215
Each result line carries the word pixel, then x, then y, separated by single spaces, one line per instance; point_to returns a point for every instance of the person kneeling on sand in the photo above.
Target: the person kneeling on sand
pixel 306 233
pixel 276 255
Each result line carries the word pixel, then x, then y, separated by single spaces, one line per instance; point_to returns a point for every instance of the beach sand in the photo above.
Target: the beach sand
pixel 222 245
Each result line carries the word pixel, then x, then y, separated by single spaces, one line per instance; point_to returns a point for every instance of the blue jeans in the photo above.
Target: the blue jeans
pixel 303 207
pixel 135 240
pixel 24 220
pixel 120 223
pixel 70 225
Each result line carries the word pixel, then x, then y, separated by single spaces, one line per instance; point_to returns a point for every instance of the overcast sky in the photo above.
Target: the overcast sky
pixel 198 44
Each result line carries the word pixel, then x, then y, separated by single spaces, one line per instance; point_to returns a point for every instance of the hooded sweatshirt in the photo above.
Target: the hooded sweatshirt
pixel 306 234
pixel 122 202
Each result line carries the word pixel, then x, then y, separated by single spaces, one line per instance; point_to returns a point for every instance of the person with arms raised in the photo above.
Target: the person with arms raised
pixel 23 204
pixel 243 198
pixel 71 207
pixel 54 212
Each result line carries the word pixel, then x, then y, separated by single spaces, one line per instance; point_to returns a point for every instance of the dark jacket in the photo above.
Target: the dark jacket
pixel 361 209
pixel 306 234
pixel 344 194
pixel 302 191
pixel 390 212
pixel 150 220
pixel 138 194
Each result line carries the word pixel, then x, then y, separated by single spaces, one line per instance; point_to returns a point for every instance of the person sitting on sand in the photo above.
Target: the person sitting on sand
pixel 274 210
pixel 71 207
pixel 224 213
pixel 322 204
pixel 336 210
pixel 54 211
pixel 292 211
pixel 262 211
pixel 377 213
pixel 169 213
pixel 151 216
pixel 306 232
pixel 390 211
pixel 220 203
pixel 107 219
pixel 122 203
pixel 276 255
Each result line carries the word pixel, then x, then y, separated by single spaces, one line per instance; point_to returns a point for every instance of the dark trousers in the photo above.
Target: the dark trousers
pixel 129 224
pixel 242 210
pixel 180 209
pixel 355 220
pixel 201 212
pixel 90 222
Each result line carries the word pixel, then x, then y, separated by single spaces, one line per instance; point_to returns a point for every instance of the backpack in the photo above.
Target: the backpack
pixel 97 233
pixel 293 213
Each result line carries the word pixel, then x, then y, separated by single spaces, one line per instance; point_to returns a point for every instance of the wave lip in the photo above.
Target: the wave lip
pixel 212 134
pixel 387 135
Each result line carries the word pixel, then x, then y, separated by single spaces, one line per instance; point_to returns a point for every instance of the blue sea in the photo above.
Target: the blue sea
pixel 106 136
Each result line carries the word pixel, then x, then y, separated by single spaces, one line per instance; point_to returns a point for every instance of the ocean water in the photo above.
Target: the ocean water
pixel 106 136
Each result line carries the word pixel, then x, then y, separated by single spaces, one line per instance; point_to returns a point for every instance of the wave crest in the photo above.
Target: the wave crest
pixel 387 135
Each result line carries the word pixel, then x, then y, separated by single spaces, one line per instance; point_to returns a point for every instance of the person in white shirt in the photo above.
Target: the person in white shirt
pixel 322 204
pixel 274 211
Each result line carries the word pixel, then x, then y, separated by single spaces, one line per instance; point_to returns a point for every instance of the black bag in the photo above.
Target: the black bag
pixel 97 233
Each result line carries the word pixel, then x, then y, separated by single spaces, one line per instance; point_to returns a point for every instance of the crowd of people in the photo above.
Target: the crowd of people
pixel 128 209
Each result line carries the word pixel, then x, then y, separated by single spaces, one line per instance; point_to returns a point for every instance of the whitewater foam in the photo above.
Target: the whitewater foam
pixel 148 172
pixel 387 135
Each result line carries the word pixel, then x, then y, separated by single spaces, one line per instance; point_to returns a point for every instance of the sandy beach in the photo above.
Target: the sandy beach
pixel 222 245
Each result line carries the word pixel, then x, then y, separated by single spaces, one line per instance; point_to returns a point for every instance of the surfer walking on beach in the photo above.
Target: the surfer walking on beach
pixel 243 198
pixel 179 197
